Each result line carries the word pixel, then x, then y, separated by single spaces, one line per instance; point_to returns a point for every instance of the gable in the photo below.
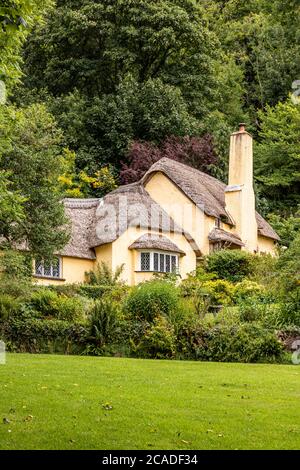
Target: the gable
pixel 205 191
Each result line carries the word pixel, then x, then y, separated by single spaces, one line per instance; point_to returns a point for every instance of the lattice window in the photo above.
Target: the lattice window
pixel 161 263
pixel 155 262
pixel 45 268
pixel 145 261
pixel 39 267
pixel 168 264
pixel 174 264
pixel 158 262
pixel 56 267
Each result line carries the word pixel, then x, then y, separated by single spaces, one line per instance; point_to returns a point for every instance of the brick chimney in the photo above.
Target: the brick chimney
pixel 239 194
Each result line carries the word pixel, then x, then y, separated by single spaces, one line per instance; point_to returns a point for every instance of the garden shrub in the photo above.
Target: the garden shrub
pixel 244 342
pixel 220 292
pixel 103 322
pixel 43 336
pixel 245 289
pixel 48 303
pixel 206 294
pixel 94 291
pixel 8 306
pixel 103 275
pixel 158 341
pixel 252 310
pixel 185 313
pixel 264 271
pixel 289 313
pixel 86 290
pixel 232 265
pixel 194 281
pixel 117 293
pixel 69 290
pixel 152 298
pixel 289 275
pixel 72 309
pixel 44 301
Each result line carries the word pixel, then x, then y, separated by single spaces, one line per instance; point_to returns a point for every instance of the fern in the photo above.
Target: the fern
pixel 104 276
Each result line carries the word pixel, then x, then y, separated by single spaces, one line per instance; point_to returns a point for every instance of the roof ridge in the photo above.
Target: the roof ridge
pixel 189 168
pixel 81 203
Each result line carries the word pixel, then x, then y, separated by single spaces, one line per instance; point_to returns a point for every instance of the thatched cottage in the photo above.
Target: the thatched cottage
pixel 165 222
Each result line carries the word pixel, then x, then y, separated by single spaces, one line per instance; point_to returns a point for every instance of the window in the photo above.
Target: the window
pixel 145 261
pixel 158 262
pixel 155 260
pixel 45 268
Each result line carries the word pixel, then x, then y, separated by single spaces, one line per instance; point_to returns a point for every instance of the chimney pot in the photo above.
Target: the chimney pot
pixel 242 127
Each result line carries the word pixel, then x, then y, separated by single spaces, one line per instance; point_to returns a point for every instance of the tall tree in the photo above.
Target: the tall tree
pixel 277 156
pixel 263 38
pixel 197 152
pixel 118 71
pixel 16 19
pixel 92 45
pixel 33 159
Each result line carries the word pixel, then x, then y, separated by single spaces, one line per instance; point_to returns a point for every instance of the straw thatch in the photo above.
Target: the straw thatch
pixel 156 242
pixel 129 206
pixel 204 190
pixel 82 213
pixel 96 222
pixel 220 235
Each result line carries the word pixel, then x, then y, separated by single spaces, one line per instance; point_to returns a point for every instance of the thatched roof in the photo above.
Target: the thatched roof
pixel 82 213
pixel 157 242
pixel 95 222
pixel 265 229
pixel 220 235
pixel 204 190
pixel 129 206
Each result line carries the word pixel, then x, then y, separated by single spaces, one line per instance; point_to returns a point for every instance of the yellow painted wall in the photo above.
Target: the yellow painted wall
pixel 73 272
pixel 185 213
pixel 121 254
pixel 266 246
pixel 104 253
pixel 239 195
pixel 198 224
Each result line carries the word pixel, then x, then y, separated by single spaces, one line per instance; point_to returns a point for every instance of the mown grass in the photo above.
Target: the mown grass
pixel 69 402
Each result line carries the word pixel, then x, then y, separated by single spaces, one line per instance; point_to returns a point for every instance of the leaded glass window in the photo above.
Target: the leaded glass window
pixel 39 267
pixel 168 265
pixel 161 263
pixel 48 268
pixel 155 261
pixel 145 261
pixel 158 262
pixel 173 264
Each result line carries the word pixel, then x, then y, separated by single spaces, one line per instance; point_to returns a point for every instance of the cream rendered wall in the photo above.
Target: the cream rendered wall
pixel 104 253
pixel 122 255
pixel 239 194
pixel 73 272
pixel 185 213
pixel 266 246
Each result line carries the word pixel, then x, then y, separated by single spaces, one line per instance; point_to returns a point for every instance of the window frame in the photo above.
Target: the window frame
pixel 52 268
pixel 163 256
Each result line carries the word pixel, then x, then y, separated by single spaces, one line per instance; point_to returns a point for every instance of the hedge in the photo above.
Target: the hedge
pixel 70 290
pixel 43 336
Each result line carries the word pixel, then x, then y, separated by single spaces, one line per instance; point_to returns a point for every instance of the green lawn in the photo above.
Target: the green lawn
pixel 59 402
